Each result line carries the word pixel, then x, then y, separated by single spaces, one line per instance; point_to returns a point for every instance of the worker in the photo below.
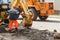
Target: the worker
pixel 14 14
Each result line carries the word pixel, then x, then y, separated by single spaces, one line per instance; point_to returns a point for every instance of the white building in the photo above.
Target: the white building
pixel 57 4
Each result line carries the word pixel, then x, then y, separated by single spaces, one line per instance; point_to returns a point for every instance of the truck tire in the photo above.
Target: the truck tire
pixel 43 18
pixel 34 14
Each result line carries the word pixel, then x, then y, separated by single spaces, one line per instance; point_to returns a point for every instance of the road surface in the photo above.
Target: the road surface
pixel 52 22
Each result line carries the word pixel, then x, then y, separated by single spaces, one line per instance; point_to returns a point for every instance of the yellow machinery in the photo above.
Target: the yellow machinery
pixel 40 8
pixel 27 20
pixel 4 7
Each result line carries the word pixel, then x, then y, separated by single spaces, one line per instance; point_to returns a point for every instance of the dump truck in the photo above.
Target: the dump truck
pixel 40 8
pixel 4 7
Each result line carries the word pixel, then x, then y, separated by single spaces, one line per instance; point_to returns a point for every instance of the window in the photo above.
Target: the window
pixel 50 5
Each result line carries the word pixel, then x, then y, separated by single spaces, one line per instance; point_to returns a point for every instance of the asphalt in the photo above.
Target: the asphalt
pixel 54 16
pixel 30 34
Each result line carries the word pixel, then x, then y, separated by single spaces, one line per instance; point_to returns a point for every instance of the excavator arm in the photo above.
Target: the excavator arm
pixel 27 20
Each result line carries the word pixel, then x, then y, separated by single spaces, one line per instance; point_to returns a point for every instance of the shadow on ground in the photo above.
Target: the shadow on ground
pixel 52 21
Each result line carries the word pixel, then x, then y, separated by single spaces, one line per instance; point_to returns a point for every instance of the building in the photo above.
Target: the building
pixel 57 4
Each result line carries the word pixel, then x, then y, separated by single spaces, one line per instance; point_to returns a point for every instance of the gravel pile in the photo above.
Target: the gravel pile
pixel 33 34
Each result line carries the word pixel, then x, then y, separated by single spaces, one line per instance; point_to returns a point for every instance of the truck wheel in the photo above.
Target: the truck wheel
pixel 43 17
pixel 34 14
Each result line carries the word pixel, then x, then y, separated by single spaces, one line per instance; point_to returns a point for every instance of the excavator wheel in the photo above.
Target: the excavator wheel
pixel 43 18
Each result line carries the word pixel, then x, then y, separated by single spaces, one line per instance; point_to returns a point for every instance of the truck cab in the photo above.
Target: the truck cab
pixel 40 8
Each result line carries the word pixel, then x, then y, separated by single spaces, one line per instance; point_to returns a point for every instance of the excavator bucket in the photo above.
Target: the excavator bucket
pixel 27 21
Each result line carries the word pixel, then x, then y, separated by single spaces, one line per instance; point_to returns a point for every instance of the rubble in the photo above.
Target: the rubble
pixel 34 34
pixel 29 34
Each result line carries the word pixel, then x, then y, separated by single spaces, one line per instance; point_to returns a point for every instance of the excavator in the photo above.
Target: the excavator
pixel 41 9
pixel 27 20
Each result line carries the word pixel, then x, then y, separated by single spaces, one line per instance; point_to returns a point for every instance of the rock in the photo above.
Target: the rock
pixel 29 34
pixel 57 35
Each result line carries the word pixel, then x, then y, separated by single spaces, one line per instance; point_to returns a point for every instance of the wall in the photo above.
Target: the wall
pixel 57 4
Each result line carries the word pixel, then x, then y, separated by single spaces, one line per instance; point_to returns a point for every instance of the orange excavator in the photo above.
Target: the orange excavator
pixel 40 8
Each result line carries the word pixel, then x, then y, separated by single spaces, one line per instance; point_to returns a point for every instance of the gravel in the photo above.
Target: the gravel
pixel 28 34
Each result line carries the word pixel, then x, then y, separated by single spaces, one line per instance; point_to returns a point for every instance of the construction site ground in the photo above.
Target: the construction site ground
pixel 40 30
pixel 30 34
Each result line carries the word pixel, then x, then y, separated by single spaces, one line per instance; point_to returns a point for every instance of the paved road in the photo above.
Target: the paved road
pixel 53 22
pixel 50 24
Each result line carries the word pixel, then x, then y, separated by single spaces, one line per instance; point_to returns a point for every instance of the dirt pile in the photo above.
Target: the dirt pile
pixel 29 34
